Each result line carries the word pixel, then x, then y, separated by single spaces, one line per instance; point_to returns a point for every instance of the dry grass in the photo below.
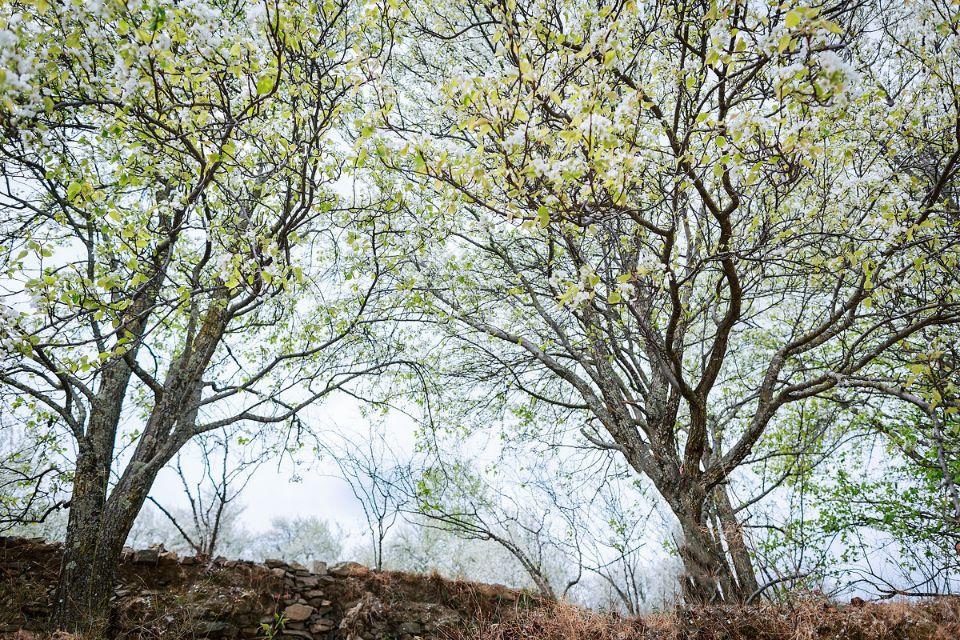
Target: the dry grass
pixel 806 618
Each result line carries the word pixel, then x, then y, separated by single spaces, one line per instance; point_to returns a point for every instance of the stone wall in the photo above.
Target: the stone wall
pixel 187 597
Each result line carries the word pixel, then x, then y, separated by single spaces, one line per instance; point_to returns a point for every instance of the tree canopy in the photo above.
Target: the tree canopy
pixel 712 243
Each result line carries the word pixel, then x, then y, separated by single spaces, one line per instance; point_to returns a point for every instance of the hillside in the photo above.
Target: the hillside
pixel 163 595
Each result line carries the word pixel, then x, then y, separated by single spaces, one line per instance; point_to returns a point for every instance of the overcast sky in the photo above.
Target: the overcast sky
pixel 310 488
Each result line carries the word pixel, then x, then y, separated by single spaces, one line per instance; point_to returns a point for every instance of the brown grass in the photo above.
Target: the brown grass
pixel 805 618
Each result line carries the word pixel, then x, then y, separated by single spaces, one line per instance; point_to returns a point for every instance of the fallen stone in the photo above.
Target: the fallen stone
pixel 273 563
pixel 319 567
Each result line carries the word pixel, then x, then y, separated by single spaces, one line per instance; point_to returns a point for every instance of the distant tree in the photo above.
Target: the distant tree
pixel 923 423
pixel 212 491
pixel 564 515
pixel 299 539
pixel 453 499
pixel 473 491
pixel 778 507
pixel 422 546
pixel 372 470
pixel 33 481
pixel 909 420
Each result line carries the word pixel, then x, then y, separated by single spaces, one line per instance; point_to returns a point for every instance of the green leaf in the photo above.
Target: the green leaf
pixel 543 216
pixel 265 85
pixel 832 27
pixel 418 162
pixel 73 190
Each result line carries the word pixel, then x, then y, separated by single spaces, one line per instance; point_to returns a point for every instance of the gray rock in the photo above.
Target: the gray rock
pixel 298 612
pixel 215 627
pixel 320 603
pixel 308 581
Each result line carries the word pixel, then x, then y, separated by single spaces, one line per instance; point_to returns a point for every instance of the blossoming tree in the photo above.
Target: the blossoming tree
pixel 672 218
pixel 175 257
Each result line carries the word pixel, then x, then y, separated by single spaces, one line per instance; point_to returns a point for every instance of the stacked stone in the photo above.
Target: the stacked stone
pixel 237 599
pixel 306 611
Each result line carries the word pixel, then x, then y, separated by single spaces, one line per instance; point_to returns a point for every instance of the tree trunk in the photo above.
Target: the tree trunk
pixel 84 590
pixel 97 529
pixel 709 570
pixel 81 599
pixel 736 544
pixel 707 576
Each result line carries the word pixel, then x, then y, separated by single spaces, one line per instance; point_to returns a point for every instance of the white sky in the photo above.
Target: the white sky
pixel 311 488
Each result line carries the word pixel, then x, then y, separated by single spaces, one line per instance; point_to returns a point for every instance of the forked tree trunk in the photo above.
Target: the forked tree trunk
pixel 713 572
pixel 97 529
pixel 87 577
pixel 732 532
pixel 99 523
